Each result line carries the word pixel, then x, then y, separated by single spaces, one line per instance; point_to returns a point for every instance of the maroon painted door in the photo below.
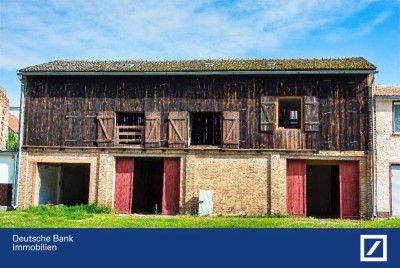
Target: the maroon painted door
pixel 296 187
pixel 170 200
pixel 124 185
pixel 349 195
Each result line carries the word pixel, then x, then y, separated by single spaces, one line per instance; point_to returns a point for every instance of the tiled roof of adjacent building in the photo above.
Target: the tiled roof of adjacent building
pixel 356 63
pixel 381 90
pixel 13 123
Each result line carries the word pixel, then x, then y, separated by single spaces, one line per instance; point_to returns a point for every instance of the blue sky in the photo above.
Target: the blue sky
pixel 33 32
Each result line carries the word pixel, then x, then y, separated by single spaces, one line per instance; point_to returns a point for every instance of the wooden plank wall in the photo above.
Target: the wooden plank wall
pixel 49 100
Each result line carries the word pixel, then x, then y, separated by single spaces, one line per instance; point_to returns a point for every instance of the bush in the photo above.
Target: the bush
pixel 12 141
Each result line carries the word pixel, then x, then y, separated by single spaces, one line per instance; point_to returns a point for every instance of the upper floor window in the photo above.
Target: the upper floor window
pixel 396 117
pixel 205 129
pixel 283 112
pixel 129 128
pixel 289 113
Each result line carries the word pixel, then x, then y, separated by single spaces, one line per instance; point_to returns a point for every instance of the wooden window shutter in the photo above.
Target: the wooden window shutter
pixel 105 127
pixel 311 114
pixel 267 113
pixel 230 130
pixel 152 129
pixel 178 129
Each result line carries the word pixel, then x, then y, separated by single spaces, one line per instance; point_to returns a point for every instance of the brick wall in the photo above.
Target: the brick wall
pixel 4 109
pixel 243 183
pixel 239 182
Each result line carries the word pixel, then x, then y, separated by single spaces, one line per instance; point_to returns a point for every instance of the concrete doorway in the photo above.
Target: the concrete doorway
pixel 66 184
pixel 323 191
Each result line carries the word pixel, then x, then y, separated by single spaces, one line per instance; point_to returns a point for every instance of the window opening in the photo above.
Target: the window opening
pixel 206 129
pixel 289 113
pixel 130 128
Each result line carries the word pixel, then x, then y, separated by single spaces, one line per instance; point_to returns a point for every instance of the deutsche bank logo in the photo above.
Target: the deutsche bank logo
pixel 373 248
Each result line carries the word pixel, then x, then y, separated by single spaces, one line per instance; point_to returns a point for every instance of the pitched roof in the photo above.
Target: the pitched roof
pixel 356 63
pixel 13 123
pixel 381 90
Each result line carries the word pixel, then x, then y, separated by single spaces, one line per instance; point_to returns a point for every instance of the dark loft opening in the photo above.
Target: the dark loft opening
pixel 206 128
pixel 129 128
pixel 289 113
pixel 66 184
pixel 148 185
pixel 323 191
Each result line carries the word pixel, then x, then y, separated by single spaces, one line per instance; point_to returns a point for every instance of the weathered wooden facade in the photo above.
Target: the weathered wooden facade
pixel 264 111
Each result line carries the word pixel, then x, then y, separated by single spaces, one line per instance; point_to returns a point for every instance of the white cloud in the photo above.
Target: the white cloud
pixel 37 31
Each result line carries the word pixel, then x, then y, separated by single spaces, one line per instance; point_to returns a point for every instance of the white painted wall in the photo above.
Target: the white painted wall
pixel 387 152
pixel 7 167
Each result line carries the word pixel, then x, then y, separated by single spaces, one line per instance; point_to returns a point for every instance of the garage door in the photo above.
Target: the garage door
pixel 395 177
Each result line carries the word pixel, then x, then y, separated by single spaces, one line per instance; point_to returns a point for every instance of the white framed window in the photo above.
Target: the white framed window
pixel 396 117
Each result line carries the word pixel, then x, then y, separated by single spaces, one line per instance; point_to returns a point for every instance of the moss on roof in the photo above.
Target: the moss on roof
pixel 356 63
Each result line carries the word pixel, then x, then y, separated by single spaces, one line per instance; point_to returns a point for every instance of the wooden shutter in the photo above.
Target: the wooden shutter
pixel 311 114
pixel 124 185
pixel 171 183
pixel 230 130
pixel 296 187
pixel 267 113
pixel 152 130
pixel 105 128
pixel 178 129
pixel 349 189
pixel 73 132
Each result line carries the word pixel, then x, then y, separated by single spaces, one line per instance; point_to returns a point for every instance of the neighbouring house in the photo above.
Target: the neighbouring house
pixel 4 107
pixel 200 136
pixel 387 150
pixel 7 159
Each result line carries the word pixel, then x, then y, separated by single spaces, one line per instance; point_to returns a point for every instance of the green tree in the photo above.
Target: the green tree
pixel 12 141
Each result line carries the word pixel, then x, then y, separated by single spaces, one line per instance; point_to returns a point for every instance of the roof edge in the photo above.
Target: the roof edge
pixel 115 73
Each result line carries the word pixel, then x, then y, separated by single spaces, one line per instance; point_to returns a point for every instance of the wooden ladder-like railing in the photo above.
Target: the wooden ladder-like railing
pixel 130 134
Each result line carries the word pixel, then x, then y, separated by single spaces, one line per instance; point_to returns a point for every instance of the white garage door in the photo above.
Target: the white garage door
pixel 395 174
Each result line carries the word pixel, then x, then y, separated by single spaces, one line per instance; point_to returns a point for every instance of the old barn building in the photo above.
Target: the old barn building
pixel 214 136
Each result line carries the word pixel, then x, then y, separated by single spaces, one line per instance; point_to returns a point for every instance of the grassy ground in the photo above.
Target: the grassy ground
pixel 93 216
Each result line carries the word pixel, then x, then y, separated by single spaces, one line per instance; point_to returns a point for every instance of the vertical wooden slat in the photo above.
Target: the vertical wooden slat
pixel 349 189
pixel 296 187
pixel 124 185
pixel 171 184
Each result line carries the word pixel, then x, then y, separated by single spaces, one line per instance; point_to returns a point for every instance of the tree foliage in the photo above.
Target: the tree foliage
pixel 12 141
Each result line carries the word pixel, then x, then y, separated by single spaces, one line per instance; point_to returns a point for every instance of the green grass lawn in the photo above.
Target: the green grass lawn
pixel 102 217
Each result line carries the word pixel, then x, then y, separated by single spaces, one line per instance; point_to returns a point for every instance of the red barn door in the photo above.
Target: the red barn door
pixel 349 195
pixel 170 200
pixel 296 187
pixel 124 185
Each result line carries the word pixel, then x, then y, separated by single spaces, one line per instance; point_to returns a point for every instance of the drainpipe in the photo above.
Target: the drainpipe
pixel 373 152
pixel 20 139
